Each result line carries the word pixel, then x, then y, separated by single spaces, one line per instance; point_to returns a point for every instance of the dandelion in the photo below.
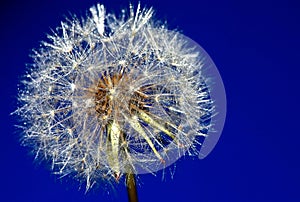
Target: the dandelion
pixel 108 96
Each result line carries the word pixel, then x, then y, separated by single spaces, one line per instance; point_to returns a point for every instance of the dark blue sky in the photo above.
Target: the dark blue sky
pixel 256 46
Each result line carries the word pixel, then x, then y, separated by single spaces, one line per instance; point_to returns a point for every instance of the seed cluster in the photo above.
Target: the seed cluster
pixel 108 95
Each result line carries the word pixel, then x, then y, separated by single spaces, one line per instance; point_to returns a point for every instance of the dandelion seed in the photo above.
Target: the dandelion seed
pixel 108 96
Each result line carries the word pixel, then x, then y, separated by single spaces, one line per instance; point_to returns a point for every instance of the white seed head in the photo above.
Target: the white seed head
pixel 109 95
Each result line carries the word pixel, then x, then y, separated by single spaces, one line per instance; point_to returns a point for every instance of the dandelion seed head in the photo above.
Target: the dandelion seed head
pixel 110 94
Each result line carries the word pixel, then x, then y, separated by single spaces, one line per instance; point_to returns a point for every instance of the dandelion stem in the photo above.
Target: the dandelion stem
pixel 131 187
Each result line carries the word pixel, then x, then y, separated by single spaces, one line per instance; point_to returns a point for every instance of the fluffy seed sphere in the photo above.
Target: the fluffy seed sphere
pixel 109 95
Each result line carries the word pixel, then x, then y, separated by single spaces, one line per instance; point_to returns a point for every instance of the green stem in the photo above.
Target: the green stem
pixel 131 188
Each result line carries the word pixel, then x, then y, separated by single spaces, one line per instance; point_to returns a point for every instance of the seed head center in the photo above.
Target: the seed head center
pixel 104 94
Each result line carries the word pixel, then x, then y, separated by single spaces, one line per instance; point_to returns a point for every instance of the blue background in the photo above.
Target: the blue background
pixel 256 46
